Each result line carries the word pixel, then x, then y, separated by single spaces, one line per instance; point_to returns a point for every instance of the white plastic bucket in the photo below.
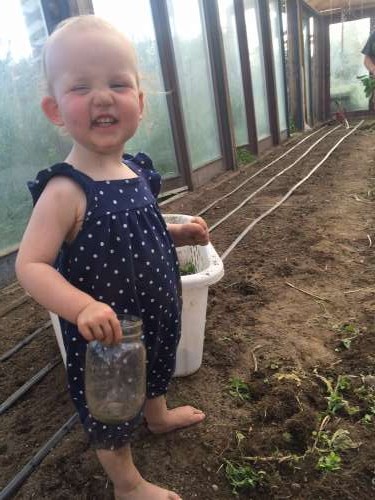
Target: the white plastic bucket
pixel 209 269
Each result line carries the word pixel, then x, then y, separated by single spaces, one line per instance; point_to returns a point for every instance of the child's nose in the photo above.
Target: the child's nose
pixel 103 97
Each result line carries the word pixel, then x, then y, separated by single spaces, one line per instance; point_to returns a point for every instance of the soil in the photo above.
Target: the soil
pixel 268 348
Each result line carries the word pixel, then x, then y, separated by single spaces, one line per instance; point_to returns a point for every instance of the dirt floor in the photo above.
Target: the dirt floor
pixel 288 374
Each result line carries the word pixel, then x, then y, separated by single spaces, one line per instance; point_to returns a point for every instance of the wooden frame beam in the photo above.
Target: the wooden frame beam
pixel 169 71
pixel 239 10
pixel 294 66
pixel 220 82
pixel 269 67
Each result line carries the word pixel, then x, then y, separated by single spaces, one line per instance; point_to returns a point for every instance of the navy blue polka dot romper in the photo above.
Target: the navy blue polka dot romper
pixel 123 256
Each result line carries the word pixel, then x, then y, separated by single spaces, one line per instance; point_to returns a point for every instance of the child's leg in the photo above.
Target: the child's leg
pixel 127 481
pixel 160 419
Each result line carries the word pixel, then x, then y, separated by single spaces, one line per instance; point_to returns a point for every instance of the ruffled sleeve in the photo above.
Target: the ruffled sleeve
pixel 147 170
pixel 37 186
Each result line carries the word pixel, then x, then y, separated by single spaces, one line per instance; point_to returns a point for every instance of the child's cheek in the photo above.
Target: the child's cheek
pixel 74 107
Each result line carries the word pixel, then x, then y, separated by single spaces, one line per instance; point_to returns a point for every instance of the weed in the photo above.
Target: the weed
pixel 292 126
pixel 350 331
pixel 330 462
pixel 244 156
pixel 340 440
pixel 242 477
pixel 367 419
pixel 367 395
pixel 239 389
pixel 336 400
pixel 239 438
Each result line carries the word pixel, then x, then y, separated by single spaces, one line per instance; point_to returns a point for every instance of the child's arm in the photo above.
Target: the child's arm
pixel 53 219
pixel 194 232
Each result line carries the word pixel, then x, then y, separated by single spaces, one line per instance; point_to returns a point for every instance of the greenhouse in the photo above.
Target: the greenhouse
pixel 186 249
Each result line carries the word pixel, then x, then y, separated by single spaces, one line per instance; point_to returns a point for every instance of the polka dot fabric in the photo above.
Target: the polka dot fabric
pixel 125 257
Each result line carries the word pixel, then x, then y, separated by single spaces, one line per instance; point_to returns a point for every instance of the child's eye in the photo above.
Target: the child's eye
pixel 80 89
pixel 119 86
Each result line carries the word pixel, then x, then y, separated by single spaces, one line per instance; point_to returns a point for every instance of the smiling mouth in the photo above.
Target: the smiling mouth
pixel 104 122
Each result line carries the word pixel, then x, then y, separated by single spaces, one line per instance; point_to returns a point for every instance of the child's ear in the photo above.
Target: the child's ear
pixel 141 103
pixel 51 110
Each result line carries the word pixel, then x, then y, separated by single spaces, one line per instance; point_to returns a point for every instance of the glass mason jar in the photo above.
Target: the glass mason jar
pixel 115 377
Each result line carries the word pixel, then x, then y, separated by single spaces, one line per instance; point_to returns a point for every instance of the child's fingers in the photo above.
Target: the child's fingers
pixel 108 332
pixel 97 332
pixel 86 333
pixel 116 330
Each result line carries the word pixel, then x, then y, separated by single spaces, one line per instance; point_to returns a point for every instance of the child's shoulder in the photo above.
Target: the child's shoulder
pixel 60 180
pixel 141 160
pixel 144 166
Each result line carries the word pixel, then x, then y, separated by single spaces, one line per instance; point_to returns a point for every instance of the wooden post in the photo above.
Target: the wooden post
pixel 243 47
pixel 220 82
pixel 295 67
pixel 169 71
pixel 269 66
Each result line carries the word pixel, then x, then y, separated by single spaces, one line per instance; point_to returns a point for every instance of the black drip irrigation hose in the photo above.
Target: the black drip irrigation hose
pixel 9 490
pixel 25 341
pixel 25 387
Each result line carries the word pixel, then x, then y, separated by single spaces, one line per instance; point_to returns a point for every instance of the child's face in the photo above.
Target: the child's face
pixel 95 89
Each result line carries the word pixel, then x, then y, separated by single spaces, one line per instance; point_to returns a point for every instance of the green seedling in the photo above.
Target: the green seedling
pixel 367 419
pixel 330 462
pixel 347 329
pixel 340 440
pixel 367 395
pixel 336 400
pixel 242 477
pixel 239 389
pixel 188 268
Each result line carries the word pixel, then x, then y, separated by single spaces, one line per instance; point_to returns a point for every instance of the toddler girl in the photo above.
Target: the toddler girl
pixel 96 243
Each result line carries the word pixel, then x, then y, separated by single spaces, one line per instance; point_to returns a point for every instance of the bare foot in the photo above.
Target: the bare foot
pixel 146 491
pixel 177 418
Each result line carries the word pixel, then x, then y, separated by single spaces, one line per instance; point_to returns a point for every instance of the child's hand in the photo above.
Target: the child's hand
pixel 97 321
pixel 194 232
pixel 197 231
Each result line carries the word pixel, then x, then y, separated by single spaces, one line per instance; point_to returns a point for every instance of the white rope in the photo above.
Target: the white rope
pixel 204 210
pixel 271 180
pixel 270 210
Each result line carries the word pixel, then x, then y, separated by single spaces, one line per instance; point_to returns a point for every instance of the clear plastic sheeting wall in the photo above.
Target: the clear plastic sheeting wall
pixel 154 136
pixel 279 62
pixel 194 76
pixel 28 143
pixel 346 43
pixel 258 76
pixel 233 64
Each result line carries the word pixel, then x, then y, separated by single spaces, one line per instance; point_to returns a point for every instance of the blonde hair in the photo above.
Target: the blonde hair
pixel 80 22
